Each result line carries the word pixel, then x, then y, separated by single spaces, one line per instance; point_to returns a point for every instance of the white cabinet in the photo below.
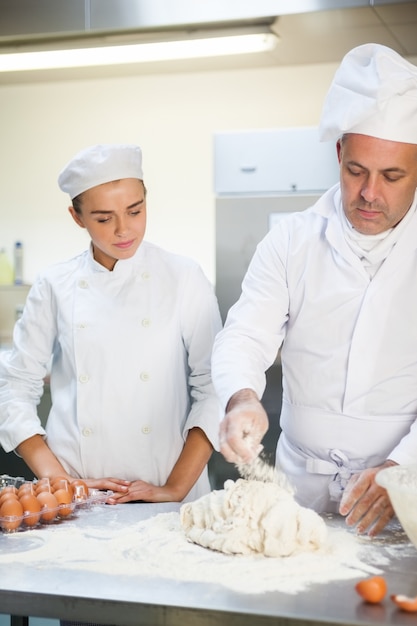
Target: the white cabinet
pixel 273 161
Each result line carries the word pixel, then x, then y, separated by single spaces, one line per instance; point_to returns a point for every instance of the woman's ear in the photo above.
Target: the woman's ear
pixel 76 216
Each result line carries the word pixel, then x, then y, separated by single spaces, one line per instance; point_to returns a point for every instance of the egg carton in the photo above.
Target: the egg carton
pixel 16 481
pixel 47 515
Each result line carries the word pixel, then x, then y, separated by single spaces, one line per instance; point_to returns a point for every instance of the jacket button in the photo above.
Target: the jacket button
pixel 146 430
pixel 146 322
pixel 83 378
pixel 87 432
pixel 144 376
pixel 146 275
pixel 83 284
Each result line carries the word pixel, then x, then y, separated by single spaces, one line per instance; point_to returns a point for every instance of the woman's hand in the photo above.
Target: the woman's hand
pixel 139 490
pixel 191 462
pixel 118 486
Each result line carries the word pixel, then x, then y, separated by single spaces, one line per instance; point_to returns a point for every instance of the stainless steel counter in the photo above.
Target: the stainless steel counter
pixel 53 590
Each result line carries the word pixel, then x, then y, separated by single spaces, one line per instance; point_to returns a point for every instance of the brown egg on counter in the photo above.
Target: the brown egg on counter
pixel 11 512
pixel 49 506
pixel 64 499
pixel 31 509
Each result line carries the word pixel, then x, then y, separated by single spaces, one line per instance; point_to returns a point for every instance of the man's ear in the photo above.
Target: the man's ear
pixel 76 216
pixel 339 150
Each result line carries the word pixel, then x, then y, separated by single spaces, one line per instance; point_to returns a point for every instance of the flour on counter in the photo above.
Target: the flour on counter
pixel 158 547
pixel 252 516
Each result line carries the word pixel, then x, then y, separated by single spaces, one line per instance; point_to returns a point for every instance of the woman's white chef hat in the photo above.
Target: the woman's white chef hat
pixel 374 92
pixel 100 164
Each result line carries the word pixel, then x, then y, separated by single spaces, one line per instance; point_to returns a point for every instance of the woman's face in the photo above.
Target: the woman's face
pixel 114 214
pixel 378 181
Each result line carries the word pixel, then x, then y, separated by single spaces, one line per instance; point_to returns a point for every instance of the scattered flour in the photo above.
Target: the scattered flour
pixel 157 547
pixel 261 470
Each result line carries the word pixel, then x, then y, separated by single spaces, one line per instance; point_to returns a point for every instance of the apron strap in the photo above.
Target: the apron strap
pixel 339 465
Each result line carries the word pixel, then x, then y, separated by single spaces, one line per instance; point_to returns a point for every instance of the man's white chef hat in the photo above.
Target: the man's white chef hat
pixel 374 92
pixel 100 164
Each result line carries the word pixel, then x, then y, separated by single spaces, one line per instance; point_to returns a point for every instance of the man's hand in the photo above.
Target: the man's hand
pixel 366 504
pixel 243 427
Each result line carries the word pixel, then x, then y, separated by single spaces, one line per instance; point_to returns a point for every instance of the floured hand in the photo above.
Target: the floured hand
pixel 366 504
pixel 243 428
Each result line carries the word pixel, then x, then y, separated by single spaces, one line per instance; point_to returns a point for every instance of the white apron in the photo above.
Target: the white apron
pixel 349 349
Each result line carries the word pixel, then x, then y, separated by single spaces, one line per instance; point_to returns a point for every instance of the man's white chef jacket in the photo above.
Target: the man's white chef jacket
pixel 130 369
pixel 349 349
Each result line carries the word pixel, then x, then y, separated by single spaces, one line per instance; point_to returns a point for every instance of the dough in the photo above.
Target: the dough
pixel 252 516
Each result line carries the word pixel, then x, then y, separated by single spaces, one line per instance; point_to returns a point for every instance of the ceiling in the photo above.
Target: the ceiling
pixel 309 31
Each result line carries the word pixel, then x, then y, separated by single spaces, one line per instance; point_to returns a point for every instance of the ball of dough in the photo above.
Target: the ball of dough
pixel 250 516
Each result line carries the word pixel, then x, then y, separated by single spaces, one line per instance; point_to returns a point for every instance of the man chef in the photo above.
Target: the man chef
pixel 128 330
pixel 336 287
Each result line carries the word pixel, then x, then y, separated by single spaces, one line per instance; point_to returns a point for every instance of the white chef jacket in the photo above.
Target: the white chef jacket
pixel 349 349
pixel 130 369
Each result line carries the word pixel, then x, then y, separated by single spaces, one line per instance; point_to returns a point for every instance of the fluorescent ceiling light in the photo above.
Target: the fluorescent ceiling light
pixel 138 53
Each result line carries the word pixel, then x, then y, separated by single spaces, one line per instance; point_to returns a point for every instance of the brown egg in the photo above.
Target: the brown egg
pixel 7 495
pixel 28 487
pixel 43 485
pixel 11 513
pixel 8 489
pixel 62 483
pixel 31 509
pixel 49 506
pixel 80 489
pixel 64 499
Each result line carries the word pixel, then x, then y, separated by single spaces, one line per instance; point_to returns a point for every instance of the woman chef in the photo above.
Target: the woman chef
pixel 336 286
pixel 128 330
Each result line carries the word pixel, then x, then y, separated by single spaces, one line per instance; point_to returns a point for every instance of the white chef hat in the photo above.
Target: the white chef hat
pixel 100 164
pixel 374 92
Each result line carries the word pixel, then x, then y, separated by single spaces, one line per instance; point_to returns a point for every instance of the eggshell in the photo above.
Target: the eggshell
pixel 64 499
pixel 49 506
pixel 11 512
pixel 31 509
pixel 405 603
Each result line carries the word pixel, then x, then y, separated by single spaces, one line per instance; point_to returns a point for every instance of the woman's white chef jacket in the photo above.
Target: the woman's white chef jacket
pixel 130 369
pixel 349 351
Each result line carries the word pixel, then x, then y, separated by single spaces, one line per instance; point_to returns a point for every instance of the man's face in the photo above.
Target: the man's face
pixel 378 181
